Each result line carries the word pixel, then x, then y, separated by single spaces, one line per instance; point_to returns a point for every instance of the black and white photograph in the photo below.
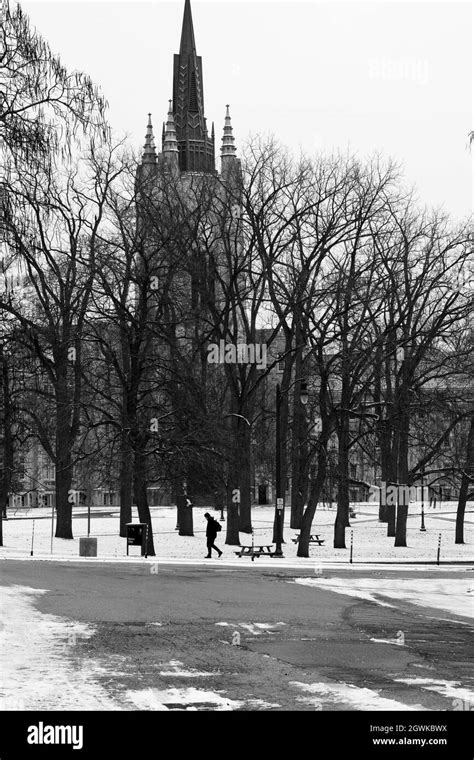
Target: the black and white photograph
pixel 236 377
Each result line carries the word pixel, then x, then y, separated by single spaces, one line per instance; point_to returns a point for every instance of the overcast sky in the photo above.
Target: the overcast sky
pixel 395 77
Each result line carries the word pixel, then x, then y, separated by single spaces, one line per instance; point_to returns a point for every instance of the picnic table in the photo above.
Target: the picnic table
pixel 256 550
pixel 313 539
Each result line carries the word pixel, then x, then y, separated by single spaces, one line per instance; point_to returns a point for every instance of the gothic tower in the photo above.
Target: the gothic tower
pixel 181 196
pixel 196 148
pixel 186 144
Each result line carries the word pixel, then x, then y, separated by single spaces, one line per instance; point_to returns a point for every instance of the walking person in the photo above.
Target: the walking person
pixel 213 527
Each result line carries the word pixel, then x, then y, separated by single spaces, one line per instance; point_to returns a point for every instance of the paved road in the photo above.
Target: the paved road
pixel 207 637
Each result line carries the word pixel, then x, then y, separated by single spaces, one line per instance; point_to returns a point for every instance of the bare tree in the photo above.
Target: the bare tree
pixel 51 222
pixel 421 257
pixel 43 107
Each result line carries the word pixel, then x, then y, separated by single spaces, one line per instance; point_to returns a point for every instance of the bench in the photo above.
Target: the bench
pixel 259 550
pixel 313 539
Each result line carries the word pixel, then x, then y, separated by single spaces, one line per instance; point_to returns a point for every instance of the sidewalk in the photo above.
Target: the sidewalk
pixel 370 542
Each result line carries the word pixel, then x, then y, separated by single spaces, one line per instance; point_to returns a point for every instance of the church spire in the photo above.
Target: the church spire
pixel 149 151
pixel 196 149
pixel 188 44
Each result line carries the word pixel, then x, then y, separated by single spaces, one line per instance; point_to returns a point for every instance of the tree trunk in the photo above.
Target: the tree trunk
pixel 391 511
pixel 185 516
pixel 63 488
pixel 299 481
pixel 242 431
pixel 342 515
pixel 299 449
pixel 401 525
pixel 383 516
pixel 340 531
pixel 402 470
pixel 380 428
pixel 387 470
pixel 141 499
pixel 314 496
pixel 126 482
pixel 465 483
pixel 284 429
pixel 3 479
pixel 7 455
pixel 390 475
pixel 64 469
pixel 232 527
pixel 461 509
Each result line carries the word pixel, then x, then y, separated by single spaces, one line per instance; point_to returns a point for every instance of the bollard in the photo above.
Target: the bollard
pixel 32 538
pixel 352 541
pixel 439 549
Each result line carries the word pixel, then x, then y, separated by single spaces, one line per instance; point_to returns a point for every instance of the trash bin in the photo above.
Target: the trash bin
pixel 136 535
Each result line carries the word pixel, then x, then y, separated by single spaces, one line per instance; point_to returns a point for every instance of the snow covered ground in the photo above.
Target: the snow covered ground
pixel 370 541
pixel 319 694
pixel 34 669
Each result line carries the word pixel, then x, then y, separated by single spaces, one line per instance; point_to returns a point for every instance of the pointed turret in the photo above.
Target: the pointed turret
pixel 228 148
pixel 147 170
pixel 196 149
pixel 149 150
pixel 170 143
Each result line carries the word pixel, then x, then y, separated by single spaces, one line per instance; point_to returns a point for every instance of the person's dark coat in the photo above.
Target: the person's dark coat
pixel 211 530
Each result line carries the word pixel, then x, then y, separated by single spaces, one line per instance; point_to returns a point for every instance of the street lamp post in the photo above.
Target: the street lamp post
pixel 422 505
pixel 279 501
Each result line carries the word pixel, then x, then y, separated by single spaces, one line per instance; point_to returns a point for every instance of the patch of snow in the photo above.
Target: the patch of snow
pixel 146 700
pixel 37 673
pixel 177 671
pixel 256 629
pixel 451 689
pixel 445 594
pixel 399 641
pixel 340 587
pixel 262 703
pixel 355 696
